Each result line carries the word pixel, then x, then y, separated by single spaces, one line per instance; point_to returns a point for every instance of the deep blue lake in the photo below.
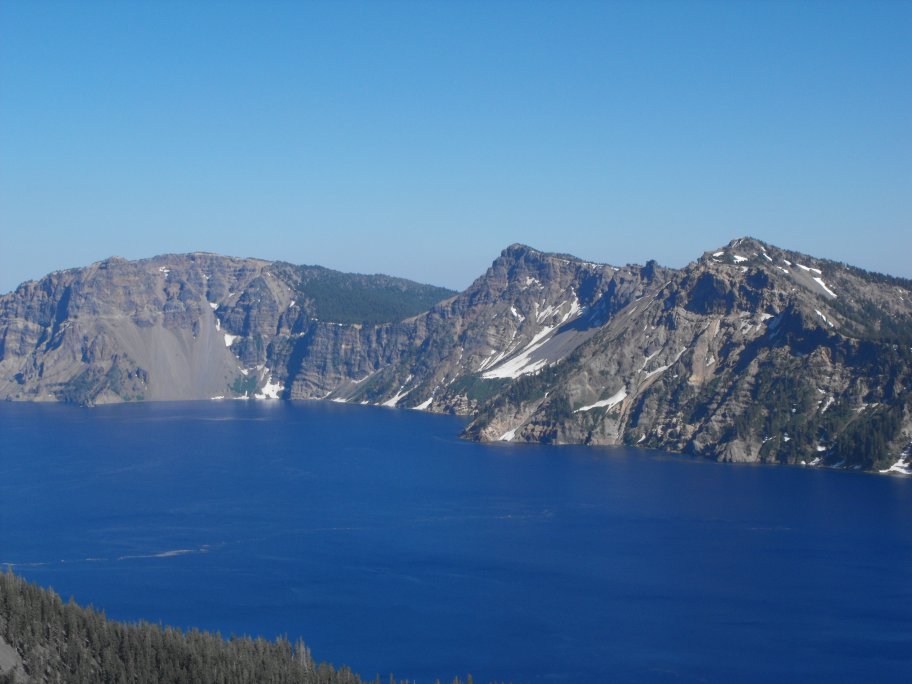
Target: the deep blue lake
pixel 390 545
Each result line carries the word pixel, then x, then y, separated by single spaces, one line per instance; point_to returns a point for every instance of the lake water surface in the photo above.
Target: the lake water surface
pixel 390 545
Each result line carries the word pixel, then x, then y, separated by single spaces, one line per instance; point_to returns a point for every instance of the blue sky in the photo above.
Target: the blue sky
pixel 420 138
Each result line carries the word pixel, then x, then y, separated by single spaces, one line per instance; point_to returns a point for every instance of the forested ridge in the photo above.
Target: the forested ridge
pixel 64 642
pixel 347 298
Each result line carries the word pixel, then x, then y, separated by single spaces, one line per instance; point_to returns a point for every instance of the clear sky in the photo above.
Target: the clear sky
pixel 421 138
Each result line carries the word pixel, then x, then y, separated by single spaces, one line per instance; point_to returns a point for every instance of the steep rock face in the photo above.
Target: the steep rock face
pixel 119 330
pixel 530 310
pixel 193 326
pixel 750 354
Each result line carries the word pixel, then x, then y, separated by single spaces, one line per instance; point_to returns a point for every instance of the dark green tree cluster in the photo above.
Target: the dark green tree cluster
pixel 244 385
pixel 864 319
pixel 354 298
pixel 64 642
pixel 501 392
pixel 866 440
pixel 84 388
pixel 874 277
pixel 478 388
pixel 781 404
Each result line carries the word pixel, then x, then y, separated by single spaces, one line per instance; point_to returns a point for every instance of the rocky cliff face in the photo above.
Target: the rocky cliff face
pixel 529 311
pixel 751 353
pixel 194 326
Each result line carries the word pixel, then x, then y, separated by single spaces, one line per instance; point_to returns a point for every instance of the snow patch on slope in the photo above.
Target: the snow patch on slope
pixel 809 269
pixel 822 284
pixel 825 319
pixel 521 364
pixel 574 311
pixel 903 465
pixel 396 398
pixel 660 369
pixel 270 390
pixel 424 404
pixel 611 401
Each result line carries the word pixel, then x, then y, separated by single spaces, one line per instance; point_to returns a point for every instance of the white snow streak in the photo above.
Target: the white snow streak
pixel 825 319
pixel 547 312
pixel 822 284
pixel 358 382
pixel 611 401
pixel 392 401
pixel 660 369
pixel 809 269
pixel 521 363
pixel 575 309
pixel 487 362
pixel 902 466
pixel 648 359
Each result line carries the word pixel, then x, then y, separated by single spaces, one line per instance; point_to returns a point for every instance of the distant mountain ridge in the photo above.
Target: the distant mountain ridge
pixel 750 353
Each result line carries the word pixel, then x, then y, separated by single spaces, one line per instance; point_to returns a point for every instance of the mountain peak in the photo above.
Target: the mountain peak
pixel 517 250
pixel 744 244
